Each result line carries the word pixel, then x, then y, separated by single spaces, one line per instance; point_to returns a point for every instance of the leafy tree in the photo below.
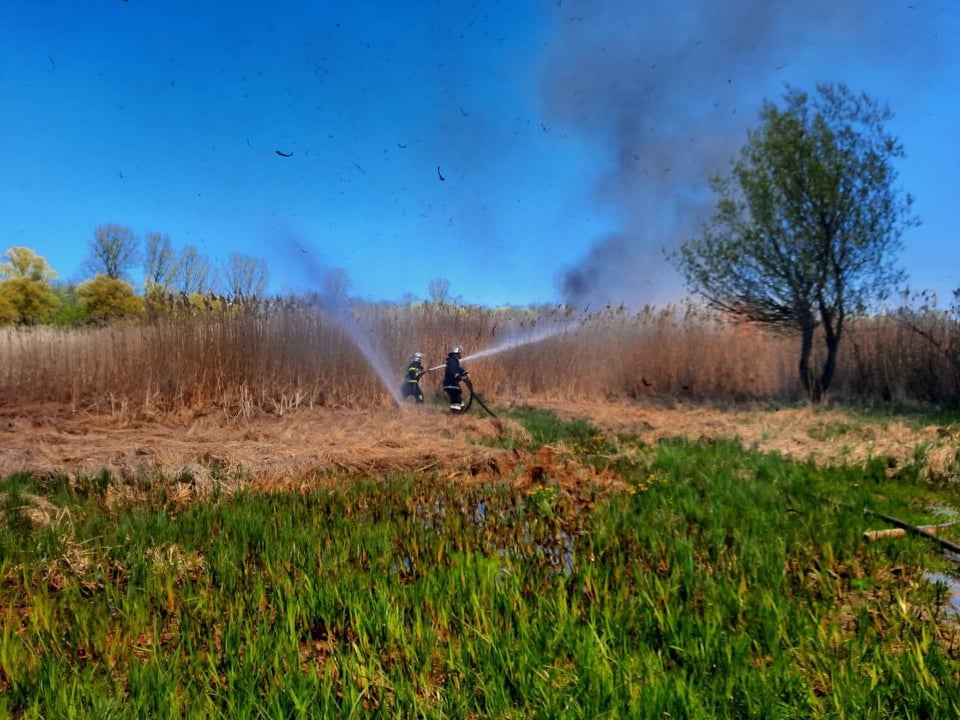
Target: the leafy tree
pixel 32 301
pixel 25 263
pixel 246 276
pixel 807 223
pixel 26 296
pixel 104 298
pixel 8 311
pixel 113 250
pixel 69 311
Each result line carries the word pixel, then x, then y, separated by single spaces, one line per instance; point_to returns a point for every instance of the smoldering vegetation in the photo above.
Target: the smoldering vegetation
pixel 257 359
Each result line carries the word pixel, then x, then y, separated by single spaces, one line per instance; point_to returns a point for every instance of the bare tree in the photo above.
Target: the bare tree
pixel 439 290
pixel 246 276
pixel 113 250
pixel 159 262
pixel 336 286
pixel 194 272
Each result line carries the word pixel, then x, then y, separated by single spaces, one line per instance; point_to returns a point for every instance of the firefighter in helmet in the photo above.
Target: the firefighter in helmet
pixel 453 375
pixel 415 371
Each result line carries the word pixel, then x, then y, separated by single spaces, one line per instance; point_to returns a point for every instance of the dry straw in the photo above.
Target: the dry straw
pixel 274 360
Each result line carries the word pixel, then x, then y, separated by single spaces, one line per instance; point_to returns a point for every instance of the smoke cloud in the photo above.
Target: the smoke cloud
pixel 667 90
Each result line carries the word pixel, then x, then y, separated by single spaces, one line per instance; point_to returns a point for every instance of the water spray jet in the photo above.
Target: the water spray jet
pixel 333 301
pixel 366 343
pixel 513 340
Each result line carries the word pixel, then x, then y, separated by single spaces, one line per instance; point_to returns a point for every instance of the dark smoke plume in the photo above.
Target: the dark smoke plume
pixel 667 90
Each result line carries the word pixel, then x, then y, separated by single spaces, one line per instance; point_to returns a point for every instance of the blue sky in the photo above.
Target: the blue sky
pixel 575 136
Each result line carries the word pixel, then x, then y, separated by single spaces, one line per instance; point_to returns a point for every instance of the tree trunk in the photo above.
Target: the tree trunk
pixel 806 347
pixel 832 320
pixel 830 364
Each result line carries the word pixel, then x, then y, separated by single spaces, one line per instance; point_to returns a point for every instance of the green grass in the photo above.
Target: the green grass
pixel 914 416
pixel 721 584
pixel 578 436
pixel 547 428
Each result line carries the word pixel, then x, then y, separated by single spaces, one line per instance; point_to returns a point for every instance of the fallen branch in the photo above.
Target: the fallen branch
pixel 901 532
pixel 916 530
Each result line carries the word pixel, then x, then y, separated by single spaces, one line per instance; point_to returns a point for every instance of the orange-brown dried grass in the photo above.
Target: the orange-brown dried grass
pixel 281 396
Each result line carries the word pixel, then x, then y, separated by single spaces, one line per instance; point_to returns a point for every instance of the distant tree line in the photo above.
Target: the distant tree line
pixel 29 294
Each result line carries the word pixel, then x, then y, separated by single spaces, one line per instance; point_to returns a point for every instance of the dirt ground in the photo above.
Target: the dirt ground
pixel 307 446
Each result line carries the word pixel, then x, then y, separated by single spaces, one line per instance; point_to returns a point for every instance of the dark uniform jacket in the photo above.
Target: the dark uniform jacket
pixel 414 371
pixel 453 373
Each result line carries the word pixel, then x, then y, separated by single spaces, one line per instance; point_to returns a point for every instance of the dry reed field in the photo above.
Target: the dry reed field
pixel 284 394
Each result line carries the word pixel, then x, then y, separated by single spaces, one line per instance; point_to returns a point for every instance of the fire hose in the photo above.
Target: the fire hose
pixel 473 396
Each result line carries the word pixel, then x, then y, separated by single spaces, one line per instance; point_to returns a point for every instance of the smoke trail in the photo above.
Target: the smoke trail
pixel 667 90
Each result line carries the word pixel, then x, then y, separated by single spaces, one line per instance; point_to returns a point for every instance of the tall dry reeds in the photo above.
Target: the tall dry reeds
pixel 247 360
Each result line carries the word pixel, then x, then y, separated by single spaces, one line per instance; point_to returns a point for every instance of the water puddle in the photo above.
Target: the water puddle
pixel 556 551
pixel 948 591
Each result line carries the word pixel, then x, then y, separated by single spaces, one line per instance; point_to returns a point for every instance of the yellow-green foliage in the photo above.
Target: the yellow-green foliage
pixel 105 297
pixel 160 302
pixel 26 297
pixel 8 311
pixel 26 301
pixel 25 263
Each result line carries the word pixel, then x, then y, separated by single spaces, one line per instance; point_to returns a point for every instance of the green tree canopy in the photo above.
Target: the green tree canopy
pixel 807 223
pixel 104 298
pixel 22 262
pixel 8 312
pixel 26 297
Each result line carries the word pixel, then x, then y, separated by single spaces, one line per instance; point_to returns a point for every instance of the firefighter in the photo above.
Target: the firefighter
pixel 415 371
pixel 453 375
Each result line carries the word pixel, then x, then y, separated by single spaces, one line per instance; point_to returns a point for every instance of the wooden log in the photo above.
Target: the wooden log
pixel 916 530
pixel 872 535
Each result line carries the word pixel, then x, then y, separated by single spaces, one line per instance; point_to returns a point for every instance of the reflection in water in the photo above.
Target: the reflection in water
pixel 951 590
pixel 556 551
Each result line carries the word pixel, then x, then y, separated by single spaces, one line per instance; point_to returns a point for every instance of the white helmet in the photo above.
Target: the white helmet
pixel 417 356
pixel 456 350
